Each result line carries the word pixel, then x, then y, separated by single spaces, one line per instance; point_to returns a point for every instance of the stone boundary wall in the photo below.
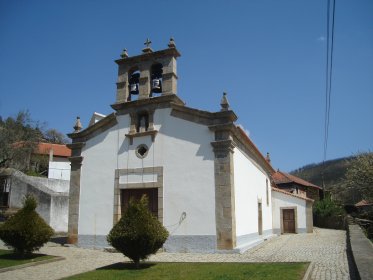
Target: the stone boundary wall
pixel 55 185
pixel 362 251
pixel 52 206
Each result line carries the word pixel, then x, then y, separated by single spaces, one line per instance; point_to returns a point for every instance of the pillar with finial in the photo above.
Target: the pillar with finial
pixel 147 49
pixel 171 43
pixel 78 125
pixel 268 159
pixel 124 54
pixel 224 102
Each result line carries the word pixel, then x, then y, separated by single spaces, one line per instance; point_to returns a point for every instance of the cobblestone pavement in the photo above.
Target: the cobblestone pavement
pixel 326 249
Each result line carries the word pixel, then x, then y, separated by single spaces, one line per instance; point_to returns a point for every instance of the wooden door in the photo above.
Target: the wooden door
pixel 152 194
pixel 288 217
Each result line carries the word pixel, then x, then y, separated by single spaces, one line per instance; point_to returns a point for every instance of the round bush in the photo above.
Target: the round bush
pixel 138 233
pixel 26 231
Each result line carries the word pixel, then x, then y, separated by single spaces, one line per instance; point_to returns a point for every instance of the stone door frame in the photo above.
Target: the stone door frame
pixel 295 218
pixel 158 170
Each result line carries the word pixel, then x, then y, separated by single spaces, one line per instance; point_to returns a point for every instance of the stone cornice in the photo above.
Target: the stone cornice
pixel 77 160
pixel 76 148
pixel 202 117
pixel 146 56
pixel 77 145
pixel 151 133
pixel 244 142
pixel 148 103
pixel 222 148
pixel 223 126
pixel 94 129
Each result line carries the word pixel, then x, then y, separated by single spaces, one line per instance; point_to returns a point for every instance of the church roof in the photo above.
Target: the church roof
pixel 284 178
pixel 255 149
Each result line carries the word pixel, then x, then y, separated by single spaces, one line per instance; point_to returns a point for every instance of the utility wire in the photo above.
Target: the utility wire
pixel 328 76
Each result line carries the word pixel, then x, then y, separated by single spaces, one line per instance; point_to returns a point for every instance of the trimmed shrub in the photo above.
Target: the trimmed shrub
pixel 26 231
pixel 138 233
pixel 327 214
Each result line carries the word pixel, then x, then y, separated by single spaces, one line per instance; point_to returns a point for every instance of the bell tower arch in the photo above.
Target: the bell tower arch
pixel 147 75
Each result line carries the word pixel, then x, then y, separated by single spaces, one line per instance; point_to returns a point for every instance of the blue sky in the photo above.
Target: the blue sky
pixel 57 61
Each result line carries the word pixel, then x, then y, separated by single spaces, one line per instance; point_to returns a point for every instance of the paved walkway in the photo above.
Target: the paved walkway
pixel 326 249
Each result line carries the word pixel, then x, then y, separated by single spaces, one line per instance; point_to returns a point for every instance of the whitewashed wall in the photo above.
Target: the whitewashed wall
pixel 183 149
pixel 250 187
pixel 283 200
pixel 97 182
pixel 59 170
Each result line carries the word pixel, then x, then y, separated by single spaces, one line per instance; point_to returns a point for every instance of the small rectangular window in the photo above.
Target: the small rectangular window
pixel 267 192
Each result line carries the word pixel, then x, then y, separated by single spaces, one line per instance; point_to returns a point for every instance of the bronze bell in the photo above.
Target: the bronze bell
pixel 157 85
pixel 134 88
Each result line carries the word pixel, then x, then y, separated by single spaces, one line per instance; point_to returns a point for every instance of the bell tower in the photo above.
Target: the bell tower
pixel 148 75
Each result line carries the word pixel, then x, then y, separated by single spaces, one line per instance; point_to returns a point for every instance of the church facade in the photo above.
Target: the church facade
pixel 206 181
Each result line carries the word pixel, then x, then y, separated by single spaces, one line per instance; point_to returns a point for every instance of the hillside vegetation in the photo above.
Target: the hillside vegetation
pixel 335 181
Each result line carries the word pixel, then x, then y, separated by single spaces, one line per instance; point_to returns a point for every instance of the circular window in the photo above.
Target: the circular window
pixel 142 151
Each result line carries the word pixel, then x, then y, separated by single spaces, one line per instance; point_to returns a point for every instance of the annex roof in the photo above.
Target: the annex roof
pixel 284 178
pixel 59 150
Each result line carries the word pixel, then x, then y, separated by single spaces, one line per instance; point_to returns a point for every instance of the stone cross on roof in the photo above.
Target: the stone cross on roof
pixel 147 49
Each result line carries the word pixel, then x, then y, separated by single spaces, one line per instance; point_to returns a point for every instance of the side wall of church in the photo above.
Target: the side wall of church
pixel 251 185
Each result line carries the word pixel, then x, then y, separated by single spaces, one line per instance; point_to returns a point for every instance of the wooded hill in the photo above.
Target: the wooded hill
pixel 334 172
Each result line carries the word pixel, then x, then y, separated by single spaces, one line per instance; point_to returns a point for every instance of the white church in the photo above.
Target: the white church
pixel 206 181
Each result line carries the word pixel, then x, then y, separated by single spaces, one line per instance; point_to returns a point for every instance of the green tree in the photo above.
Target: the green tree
pixel 18 139
pixel 327 208
pixel 54 136
pixel 26 231
pixel 360 175
pixel 328 214
pixel 138 233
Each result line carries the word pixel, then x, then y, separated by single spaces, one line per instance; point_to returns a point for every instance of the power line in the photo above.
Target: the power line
pixel 328 75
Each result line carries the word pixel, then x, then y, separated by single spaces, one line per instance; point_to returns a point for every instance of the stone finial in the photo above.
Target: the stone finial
pixel 171 43
pixel 147 49
pixel 268 159
pixel 78 125
pixel 224 103
pixel 124 54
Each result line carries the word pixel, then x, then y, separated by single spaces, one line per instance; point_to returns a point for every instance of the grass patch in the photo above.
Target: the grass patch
pixel 7 258
pixel 206 271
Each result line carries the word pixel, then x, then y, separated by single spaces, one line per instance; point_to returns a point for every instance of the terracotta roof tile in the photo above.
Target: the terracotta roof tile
pixel 251 143
pixel 283 178
pixel 59 150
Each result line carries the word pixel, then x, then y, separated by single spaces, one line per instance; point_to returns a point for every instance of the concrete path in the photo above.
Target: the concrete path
pixel 326 249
